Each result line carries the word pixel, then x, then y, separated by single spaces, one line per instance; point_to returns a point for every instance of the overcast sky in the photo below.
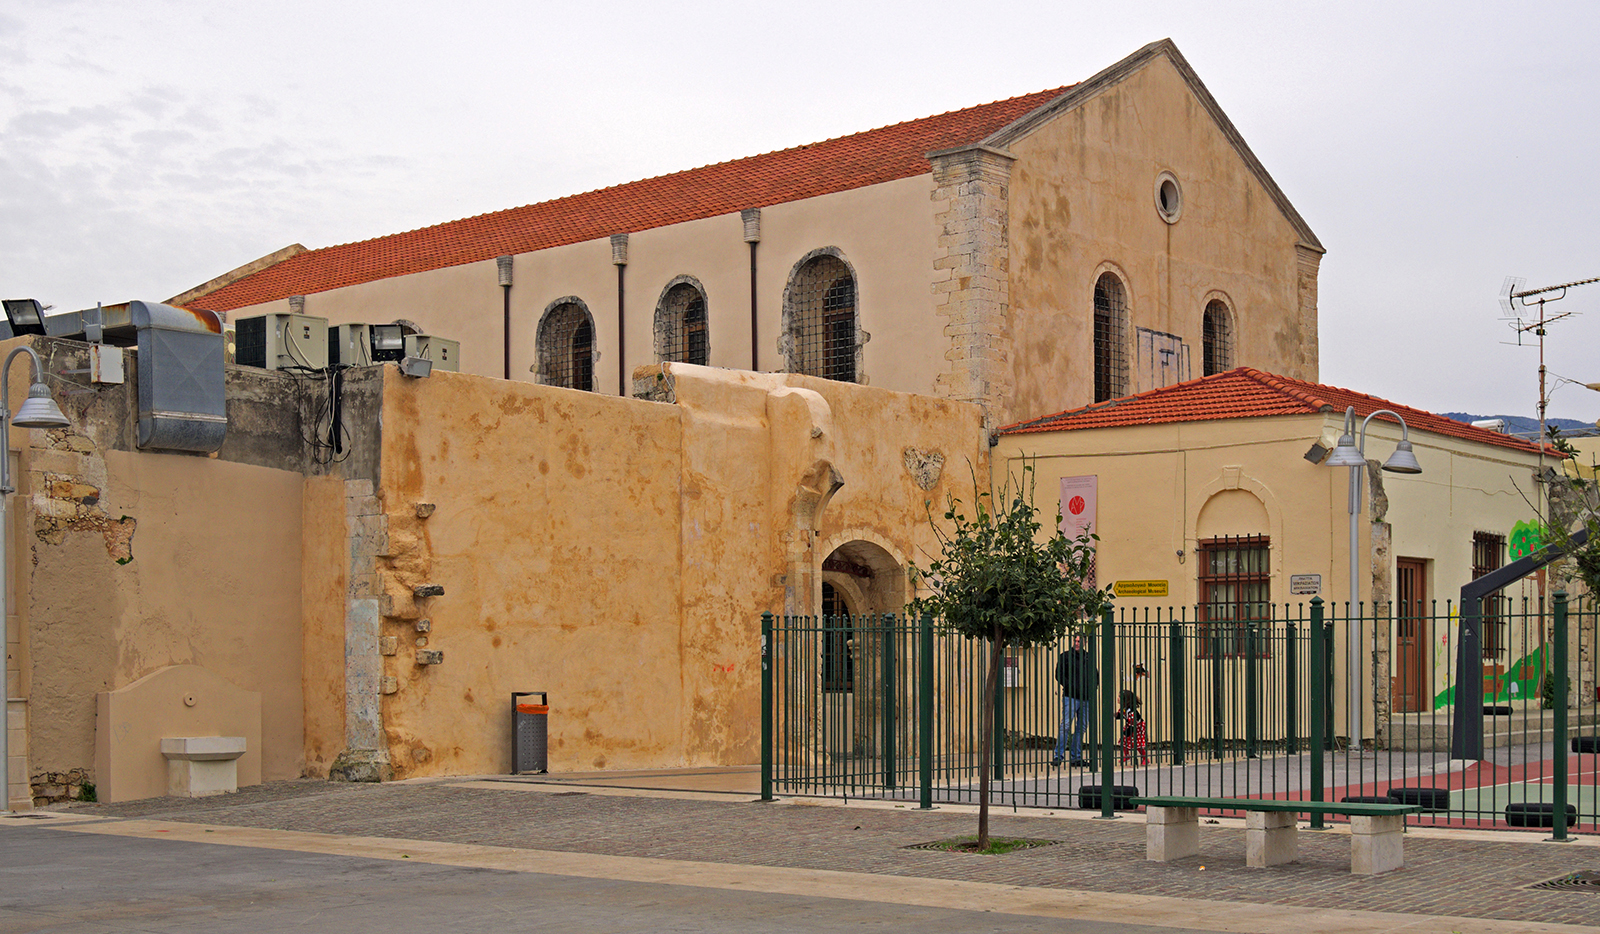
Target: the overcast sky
pixel 1435 148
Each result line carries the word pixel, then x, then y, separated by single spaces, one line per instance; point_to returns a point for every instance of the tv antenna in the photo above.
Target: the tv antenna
pixel 1514 298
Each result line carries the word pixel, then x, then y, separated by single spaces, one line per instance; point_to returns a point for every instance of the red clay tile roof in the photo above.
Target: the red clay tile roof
pixel 1250 393
pixel 869 158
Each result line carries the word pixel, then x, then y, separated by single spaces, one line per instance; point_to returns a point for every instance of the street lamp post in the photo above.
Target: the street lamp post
pixel 1349 454
pixel 38 411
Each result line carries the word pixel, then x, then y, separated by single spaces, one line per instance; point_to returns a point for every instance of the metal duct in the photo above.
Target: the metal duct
pixel 181 401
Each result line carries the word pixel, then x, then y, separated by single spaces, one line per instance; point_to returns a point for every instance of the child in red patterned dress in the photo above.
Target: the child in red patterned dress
pixel 1134 737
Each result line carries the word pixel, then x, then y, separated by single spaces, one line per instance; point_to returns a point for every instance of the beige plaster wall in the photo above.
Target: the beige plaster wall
pixel 134 562
pixel 1082 200
pixel 617 553
pixel 884 231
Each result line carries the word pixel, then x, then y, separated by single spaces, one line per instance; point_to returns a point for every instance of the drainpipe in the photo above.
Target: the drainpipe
pixel 752 236
pixel 619 257
pixel 503 264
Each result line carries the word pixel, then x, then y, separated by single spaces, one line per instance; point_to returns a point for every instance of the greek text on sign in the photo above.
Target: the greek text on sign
pixel 1305 583
pixel 1140 588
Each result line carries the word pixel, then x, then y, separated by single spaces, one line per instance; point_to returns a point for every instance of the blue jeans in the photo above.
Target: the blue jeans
pixel 1074 718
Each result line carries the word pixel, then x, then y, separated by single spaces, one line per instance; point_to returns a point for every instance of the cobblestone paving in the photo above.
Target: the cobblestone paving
pixel 1452 877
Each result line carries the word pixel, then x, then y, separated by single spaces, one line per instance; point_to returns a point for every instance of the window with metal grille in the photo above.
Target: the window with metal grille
pixel 823 320
pixel 1110 338
pixel 838 663
pixel 1218 338
pixel 681 334
pixel 1235 591
pixel 1488 554
pixel 566 347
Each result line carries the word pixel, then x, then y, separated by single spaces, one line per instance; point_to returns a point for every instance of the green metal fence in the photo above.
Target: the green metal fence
pixel 887 707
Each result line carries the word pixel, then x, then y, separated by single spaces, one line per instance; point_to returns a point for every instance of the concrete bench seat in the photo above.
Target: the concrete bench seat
pixel 1377 842
pixel 199 766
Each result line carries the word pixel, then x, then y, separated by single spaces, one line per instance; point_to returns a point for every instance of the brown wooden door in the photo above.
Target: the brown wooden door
pixel 1412 686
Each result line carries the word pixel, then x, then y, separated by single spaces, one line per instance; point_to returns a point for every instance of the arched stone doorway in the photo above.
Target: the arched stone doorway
pixel 860 585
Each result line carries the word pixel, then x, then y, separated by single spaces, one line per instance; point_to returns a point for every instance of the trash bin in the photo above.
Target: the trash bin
pixel 530 733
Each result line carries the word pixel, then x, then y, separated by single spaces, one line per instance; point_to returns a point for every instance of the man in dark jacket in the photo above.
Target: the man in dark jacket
pixel 1076 674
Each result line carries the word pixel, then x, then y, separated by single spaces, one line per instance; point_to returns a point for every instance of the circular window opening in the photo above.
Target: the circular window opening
pixel 1169 197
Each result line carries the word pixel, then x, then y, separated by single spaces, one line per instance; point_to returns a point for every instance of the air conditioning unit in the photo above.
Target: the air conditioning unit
pixel 350 345
pixel 283 342
pixel 444 354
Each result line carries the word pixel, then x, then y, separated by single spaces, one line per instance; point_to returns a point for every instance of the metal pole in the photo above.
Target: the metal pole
pixel 1319 689
pixel 1108 685
pixel 1292 682
pixel 1175 679
pixel 925 717
pixel 1352 619
pixel 1558 796
pixel 766 706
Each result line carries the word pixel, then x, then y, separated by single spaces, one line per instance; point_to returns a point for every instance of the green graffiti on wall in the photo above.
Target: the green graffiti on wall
pixel 1526 538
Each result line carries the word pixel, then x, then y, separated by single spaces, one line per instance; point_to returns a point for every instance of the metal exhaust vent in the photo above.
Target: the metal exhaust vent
pixel 181 401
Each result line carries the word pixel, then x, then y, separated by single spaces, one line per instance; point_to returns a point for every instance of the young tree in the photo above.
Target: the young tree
pixel 998 580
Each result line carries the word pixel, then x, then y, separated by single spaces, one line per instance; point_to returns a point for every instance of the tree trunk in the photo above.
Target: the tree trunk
pixel 986 741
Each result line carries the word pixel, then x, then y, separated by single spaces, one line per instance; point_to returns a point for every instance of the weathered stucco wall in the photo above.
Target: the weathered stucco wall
pixel 135 562
pixel 1082 201
pixel 617 553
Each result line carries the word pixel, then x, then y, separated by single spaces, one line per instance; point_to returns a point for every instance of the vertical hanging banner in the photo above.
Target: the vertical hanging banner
pixel 1079 499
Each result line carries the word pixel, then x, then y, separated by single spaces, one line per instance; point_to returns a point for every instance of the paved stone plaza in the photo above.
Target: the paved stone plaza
pixel 645 859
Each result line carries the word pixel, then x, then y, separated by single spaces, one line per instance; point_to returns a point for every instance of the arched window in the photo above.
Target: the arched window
pixel 566 346
pixel 822 319
pixel 1217 334
pixel 681 334
pixel 1110 338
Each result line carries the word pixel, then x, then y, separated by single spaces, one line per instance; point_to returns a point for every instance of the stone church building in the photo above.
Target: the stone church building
pixel 1030 255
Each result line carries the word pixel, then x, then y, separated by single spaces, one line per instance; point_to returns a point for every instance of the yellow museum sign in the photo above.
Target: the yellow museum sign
pixel 1140 588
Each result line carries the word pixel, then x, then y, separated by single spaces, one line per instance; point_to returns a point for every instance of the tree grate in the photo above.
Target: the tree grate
pixel 954 846
pixel 1584 880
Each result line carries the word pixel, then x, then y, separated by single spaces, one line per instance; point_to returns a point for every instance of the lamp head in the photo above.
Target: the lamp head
pixel 1403 460
pixel 40 410
pixel 1346 454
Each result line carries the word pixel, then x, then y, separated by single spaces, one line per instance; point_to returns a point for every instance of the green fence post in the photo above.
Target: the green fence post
pixel 998 758
pixel 1291 706
pixel 1558 795
pixel 1251 727
pixel 1175 679
pixel 1319 690
pixel 766 706
pixel 890 632
pixel 1219 723
pixel 1108 685
pixel 925 716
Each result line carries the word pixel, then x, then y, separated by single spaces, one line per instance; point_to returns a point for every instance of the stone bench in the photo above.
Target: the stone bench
pixel 199 766
pixel 1377 842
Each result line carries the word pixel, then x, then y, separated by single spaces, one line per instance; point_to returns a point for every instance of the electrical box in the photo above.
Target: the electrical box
pixel 350 345
pixel 283 342
pixel 443 354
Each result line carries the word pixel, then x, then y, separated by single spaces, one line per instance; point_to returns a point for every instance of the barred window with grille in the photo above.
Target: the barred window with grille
pixel 1235 591
pixel 1488 554
pixel 566 347
pixel 681 334
pixel 1217 338
pixel 1110 338
pixel 823 320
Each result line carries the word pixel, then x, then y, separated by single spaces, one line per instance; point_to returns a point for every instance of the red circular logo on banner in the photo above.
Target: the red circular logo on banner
pixel 1075 505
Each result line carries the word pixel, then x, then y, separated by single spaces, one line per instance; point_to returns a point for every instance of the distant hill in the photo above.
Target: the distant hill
pixel 1529 427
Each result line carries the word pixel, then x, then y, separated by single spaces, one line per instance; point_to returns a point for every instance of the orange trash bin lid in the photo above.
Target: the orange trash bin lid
pixel 533 708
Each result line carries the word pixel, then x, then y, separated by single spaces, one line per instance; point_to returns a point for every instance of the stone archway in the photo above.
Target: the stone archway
pixel 865 578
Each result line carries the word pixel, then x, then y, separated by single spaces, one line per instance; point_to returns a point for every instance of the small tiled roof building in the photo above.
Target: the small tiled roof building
pixel 1030 255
